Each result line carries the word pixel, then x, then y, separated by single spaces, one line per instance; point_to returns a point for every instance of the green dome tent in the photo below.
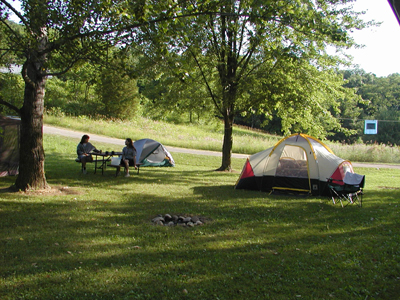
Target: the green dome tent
pixel 150 153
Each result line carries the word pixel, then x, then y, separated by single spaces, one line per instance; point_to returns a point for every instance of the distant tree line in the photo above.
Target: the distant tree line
pixel 379 99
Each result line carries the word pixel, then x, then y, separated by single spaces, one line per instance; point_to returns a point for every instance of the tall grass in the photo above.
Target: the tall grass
pixel 91 237
pixel 210 136
pixel 196 136
pixel 368 153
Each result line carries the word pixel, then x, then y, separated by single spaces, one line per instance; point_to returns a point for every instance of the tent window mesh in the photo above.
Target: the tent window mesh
pixel 292 163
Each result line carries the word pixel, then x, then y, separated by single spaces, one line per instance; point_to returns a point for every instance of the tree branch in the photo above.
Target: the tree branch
pixel 10 106
pixel 206 81
pixel 17 36
pixel 16 12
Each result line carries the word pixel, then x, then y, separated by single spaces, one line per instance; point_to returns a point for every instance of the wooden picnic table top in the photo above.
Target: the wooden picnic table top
pixel 106 153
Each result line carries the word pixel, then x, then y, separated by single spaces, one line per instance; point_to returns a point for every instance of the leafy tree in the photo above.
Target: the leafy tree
pixel 378 100
pixel 74 93
pixel 11 88
pixel 296 97
pixel 388 127
pixel 118 91
pixel 382 98
pixel 383 91
pixel 231 47
pixel 57 35
pixel 178 96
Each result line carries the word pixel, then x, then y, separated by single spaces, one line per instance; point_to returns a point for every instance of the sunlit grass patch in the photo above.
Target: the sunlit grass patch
pixel 91 237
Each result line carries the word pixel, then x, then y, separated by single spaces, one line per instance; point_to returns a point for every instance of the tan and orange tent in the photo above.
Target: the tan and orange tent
pixel 298 163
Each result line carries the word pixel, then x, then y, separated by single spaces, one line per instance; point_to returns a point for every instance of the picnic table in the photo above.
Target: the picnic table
pixel 105 157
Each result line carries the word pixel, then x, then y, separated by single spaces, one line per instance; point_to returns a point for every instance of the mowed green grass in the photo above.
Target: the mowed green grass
pixel 92 236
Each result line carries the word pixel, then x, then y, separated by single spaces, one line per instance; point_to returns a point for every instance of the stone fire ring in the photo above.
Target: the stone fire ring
pixel 178 220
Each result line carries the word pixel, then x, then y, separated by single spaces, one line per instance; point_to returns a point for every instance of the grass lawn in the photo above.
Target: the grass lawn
pixel 210 137
pixel 91 237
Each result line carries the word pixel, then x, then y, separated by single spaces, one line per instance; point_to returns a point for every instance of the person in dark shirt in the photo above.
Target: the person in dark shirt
pixel 83 150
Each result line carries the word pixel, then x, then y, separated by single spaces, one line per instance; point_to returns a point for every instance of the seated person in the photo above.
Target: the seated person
pixel 83 150
pixel 128 157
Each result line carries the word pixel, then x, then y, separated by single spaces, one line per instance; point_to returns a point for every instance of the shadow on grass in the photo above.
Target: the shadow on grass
pixel 7 189
pixel 56 249
pixel 256 246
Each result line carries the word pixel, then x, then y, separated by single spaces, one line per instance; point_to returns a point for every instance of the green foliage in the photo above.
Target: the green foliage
pixel 380 101
pixel 12 91
pixel 74 93
pixel 302 97
pixel 388 127
pixel 243 71
pixel 9 58
pixel 91 91
pixel 117 90
pixel 180 98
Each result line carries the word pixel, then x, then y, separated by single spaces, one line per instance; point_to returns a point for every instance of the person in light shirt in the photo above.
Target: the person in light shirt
pixel 128 157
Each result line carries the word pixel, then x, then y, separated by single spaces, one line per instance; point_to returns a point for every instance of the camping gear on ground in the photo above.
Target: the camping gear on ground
pixel 150 153
pixel 350 190
pixel 297 163
pixel 9 145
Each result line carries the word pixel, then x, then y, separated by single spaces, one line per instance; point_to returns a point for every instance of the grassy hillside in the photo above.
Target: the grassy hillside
pixel 199 136
pixel 209 137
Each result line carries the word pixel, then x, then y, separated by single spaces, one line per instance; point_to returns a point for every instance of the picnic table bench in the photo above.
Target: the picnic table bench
pixel 116 164
pixel 111 157
pixel 95 161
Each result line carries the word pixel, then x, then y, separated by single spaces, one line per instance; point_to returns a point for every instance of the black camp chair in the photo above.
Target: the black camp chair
pixel 350 191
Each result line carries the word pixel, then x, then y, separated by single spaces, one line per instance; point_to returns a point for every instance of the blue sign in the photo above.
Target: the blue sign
pixel 371 127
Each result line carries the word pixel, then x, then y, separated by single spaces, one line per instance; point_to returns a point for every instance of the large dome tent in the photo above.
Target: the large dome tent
pixel 297 163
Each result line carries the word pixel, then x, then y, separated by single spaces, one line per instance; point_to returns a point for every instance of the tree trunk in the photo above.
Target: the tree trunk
pixel 228 142
pixel 31 164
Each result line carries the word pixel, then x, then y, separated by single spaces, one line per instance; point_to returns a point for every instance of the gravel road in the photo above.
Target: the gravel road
pixel 120 142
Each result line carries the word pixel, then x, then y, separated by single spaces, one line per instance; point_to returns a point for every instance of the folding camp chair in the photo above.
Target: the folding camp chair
pixel 350 190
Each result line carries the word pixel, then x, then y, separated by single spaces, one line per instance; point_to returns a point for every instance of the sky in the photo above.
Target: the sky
pixel 381 44
pixel 380 55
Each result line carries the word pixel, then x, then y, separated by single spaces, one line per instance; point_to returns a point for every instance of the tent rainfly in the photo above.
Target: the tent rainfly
pixel 297 163
pixel 151 153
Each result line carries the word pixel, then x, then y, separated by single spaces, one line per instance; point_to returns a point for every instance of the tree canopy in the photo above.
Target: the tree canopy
pixel 56 36
pixel 260 56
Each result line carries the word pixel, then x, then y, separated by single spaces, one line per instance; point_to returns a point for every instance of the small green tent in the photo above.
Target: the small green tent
pixel 151 153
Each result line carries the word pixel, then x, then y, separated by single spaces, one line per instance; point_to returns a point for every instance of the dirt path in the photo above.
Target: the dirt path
pixel 120 142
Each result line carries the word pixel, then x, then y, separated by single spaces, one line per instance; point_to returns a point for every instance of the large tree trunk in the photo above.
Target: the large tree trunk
pixel 31 164
pixel 228 142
